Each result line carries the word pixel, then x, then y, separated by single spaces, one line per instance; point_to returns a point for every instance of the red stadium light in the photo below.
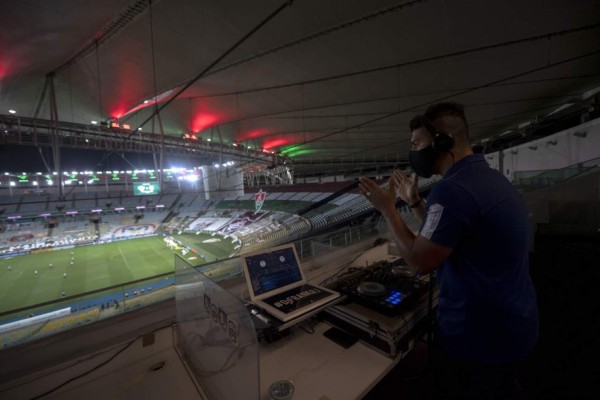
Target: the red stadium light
pixel 114 125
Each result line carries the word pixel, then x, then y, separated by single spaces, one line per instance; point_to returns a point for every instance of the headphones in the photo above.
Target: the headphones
pixel 442 142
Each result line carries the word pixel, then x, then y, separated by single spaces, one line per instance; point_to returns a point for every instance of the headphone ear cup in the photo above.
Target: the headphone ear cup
pixel 443 142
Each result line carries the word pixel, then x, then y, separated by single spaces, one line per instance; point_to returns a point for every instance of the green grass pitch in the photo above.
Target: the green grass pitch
pixel 95 267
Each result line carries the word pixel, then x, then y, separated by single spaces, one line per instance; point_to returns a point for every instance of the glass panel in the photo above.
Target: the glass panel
pixel 538 179
pixel 215 335
pixel 31 323
pixel 94 305
pixel 148 291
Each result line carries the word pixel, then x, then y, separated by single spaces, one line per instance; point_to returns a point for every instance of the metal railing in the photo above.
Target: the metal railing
pixel 530 180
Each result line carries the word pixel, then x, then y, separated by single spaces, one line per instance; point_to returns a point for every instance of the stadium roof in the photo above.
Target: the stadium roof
pixel 332 84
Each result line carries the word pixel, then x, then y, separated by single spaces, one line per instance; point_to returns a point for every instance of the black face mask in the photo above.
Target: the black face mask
pixel 422 161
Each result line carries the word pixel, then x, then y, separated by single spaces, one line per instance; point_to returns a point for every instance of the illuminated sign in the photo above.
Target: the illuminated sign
pixel 146 188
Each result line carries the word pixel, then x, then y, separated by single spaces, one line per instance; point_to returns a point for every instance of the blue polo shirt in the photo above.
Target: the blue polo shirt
pixel 487 308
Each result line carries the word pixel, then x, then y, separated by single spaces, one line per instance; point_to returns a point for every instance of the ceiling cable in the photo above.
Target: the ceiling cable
pixel 215 62
pixel 392 98
pixel 417 61
pixel 447 97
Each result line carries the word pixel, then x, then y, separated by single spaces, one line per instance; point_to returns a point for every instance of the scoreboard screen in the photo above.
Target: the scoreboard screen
pixel 146 188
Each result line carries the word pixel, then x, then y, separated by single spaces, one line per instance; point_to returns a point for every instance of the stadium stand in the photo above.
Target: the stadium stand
pixel 189 212
pixel 18 336
pixel 74 228
pixel 83 202
pixel 186 199
pixel 61 324
pixel 128 225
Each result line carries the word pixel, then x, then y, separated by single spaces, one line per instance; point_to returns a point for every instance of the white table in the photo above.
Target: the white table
pixel 319 368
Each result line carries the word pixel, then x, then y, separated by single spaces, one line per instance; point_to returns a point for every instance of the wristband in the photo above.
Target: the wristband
pixel 415 204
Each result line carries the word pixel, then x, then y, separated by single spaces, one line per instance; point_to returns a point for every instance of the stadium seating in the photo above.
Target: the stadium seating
pixel 181 212
pixel 61 324
pixel 18 336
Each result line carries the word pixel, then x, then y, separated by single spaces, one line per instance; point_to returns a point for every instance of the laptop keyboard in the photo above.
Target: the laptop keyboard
pixel 296 298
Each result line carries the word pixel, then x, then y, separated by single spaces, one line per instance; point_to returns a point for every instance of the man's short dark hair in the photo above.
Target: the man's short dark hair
pixel 416 123
pixel 447 108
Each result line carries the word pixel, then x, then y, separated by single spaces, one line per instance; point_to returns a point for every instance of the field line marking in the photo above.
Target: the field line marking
pixel 123 256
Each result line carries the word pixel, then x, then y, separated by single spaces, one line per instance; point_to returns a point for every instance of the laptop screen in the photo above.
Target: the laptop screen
pixel 272 270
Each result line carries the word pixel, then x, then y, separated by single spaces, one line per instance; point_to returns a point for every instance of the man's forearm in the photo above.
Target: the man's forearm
pixel 419 211
pixel 403 237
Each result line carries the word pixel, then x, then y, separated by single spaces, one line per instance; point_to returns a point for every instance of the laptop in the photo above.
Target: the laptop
pixel 277 283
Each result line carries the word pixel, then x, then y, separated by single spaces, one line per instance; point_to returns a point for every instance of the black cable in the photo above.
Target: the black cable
pixel 99 83
pixel 97 366
pixel 215 62
pixel 87 372
pixel 312 329
pixel 489 84
pixel 157 110
pixel 415 62
pixel 493 83
pixel 224 367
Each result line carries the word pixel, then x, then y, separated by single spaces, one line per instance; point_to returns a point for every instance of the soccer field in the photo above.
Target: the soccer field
pixel 94 267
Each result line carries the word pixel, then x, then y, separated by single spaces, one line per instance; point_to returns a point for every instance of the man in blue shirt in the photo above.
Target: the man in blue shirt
pixel 474 235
